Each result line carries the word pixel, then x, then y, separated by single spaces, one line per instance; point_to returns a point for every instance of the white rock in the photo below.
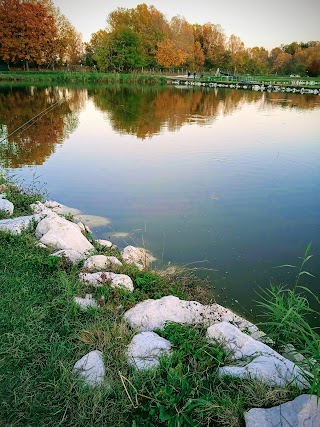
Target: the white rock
pixel 59 233
pixel 105 243
pixel 16 225
pixel 153 314
pixel 91 368
pixel 146 348
pixel 137 256
pixel 304 411
pixel 61 209
pixel 265 363
pixel 6 206
pixel 41 209
pixel 103 278
pixel 101 262
pixel 70 255
pixel 86 302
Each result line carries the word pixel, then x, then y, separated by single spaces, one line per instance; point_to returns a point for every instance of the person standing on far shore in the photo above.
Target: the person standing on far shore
pixel 194 75
pixel 189 74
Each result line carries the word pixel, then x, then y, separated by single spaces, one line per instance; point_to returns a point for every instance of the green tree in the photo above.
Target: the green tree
pixel 146 21
pixel 121 50
pixel 126 50
pixel 99 49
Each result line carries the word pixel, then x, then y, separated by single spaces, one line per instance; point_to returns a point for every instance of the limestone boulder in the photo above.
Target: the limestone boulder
pixel 153 314
pixel 105 243
pixel 17 225
pixel 59 233
pixel 5 205
pixel 145 349
pixel 304 411
pixel 260 361
pixel 103 278
pixel 60 209
pixel 101 262
pixel 41 209
pixel 137 256
pixel 91 368
pixel 70 255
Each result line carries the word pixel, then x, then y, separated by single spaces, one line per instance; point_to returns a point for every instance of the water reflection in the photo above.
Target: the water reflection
pixel 228 176
pixel 56 111
pixel 144 112
pixel 140 111
pixel 287 100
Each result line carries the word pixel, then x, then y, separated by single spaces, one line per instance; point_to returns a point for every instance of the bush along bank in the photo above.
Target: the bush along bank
pixel 92 335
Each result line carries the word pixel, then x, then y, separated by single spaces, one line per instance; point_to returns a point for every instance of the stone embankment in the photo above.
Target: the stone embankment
pixel 64 238
pixel 295 87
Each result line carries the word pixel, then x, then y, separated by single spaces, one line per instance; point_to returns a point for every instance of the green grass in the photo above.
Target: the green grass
pixel 21 196
pixel 288 318
pixel 291 315
pixel 80 77
pixel 43 333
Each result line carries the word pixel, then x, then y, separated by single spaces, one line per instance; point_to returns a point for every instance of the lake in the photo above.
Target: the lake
pixel 224 181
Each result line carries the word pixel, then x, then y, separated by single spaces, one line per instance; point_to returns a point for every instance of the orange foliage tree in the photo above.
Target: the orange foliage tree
pixel 213 41
pixel 27 32
pixel 178 47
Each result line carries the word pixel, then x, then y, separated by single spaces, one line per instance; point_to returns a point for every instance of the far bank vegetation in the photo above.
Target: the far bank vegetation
pixel 35 34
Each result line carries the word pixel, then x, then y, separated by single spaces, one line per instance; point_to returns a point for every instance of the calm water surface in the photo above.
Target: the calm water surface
pixel 228 180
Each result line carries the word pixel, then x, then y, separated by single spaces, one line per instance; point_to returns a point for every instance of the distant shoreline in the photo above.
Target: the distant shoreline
pixel 257 83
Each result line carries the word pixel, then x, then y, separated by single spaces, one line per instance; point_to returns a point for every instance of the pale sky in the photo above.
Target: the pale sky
pixel 267 23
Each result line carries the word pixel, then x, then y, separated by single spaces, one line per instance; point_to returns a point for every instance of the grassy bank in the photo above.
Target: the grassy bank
pixel 78 77
pixel 44 333
pixel 98 77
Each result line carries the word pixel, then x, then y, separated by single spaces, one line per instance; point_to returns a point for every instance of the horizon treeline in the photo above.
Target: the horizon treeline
pixel 35 33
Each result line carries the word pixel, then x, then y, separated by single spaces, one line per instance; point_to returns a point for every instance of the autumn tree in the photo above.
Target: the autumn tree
pixel 257 60
pixel 198 55
pixel 213 42
pixel 280 61
pixel 178 47
pixel 27 32
pixel 313 61
pixel 151 26
pixel 238 54
pixel 68 42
